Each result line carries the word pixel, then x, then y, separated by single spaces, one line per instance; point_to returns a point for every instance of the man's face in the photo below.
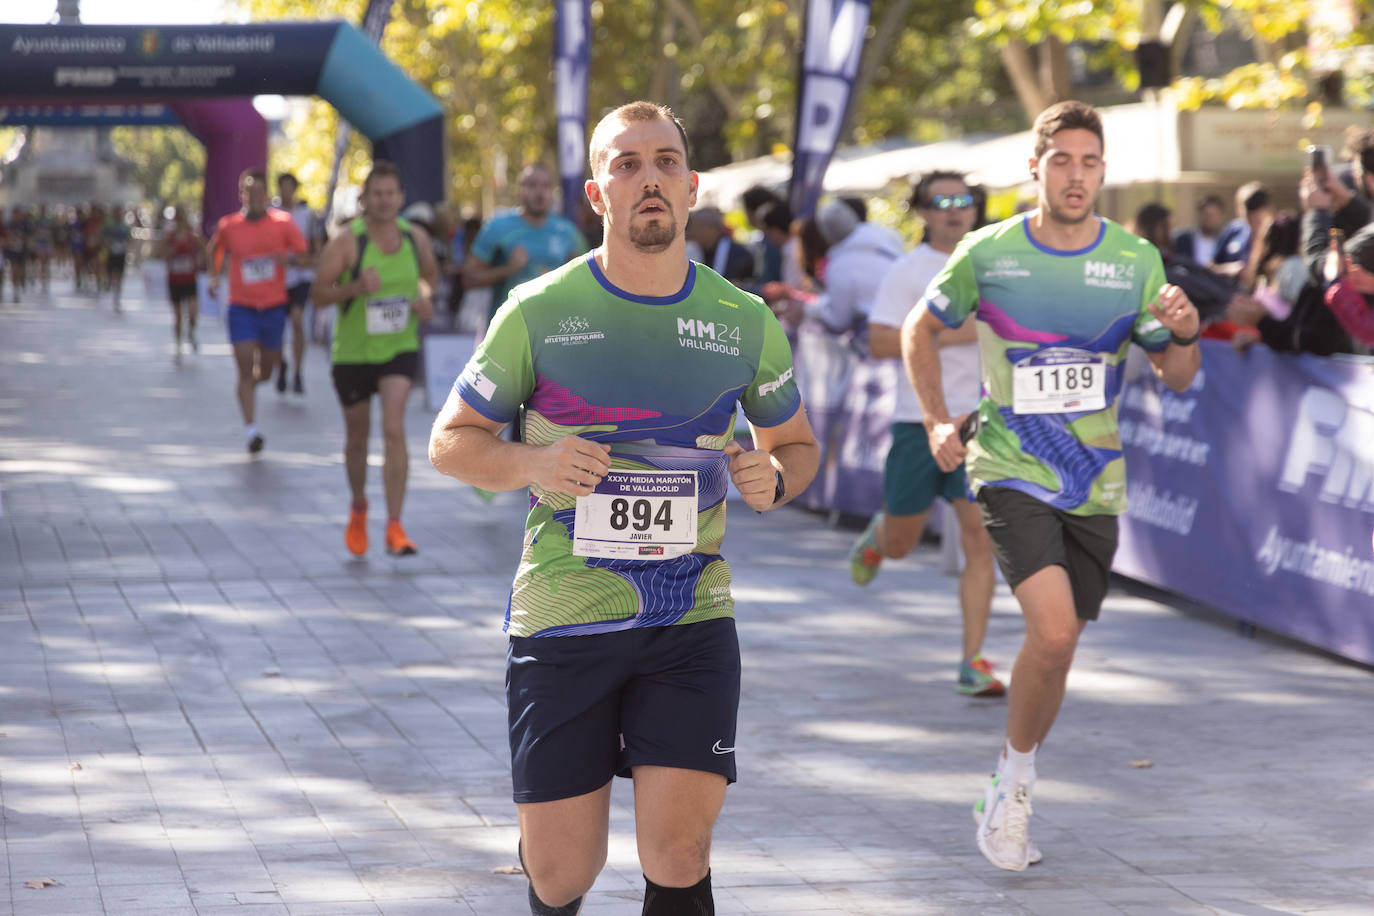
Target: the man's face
pixel 286 190
pixel 536 192
pixel 644 188
pixel 1210 218
pixel 253 194
pixel 1071 171
pixel 383 198
pixel 949 213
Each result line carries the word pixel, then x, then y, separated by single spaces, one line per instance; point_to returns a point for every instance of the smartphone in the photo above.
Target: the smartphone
pixel 1319 162
pixel 969 428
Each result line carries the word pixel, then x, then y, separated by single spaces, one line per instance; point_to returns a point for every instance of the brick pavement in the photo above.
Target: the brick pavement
pixel 210 709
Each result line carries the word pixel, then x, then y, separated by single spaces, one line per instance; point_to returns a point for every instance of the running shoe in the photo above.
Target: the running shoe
pixel 485 496
pixel 397 544
pixel 1003 821
pixel 296 385
pixel 977 680
pixel 355 535
pixel 255 444
pixel 191 339
pixel 865 558
pixel 281 377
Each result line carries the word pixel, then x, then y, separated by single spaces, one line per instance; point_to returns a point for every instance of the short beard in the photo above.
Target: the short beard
pixel 655 237
pixel 1059 217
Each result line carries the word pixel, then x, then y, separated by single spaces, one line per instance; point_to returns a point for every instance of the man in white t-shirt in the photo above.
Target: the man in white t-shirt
pixel 911 478
pixel 298 279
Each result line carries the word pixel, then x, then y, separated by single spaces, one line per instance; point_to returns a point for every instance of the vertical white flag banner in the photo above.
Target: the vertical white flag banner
pixel 375 18
pixel 572 59
pixel 831 48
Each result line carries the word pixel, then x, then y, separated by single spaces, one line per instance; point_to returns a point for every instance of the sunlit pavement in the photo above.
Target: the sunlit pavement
pixel 208 707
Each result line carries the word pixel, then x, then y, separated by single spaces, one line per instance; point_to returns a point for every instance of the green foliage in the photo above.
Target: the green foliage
pixel 169 164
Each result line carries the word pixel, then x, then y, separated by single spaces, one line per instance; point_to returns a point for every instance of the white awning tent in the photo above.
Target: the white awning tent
pixel 1147 144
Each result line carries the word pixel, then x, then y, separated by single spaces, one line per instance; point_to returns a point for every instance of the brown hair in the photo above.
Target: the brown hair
pixel 1068 115
pixel 628 114
pixel 381 168
pixel 258 175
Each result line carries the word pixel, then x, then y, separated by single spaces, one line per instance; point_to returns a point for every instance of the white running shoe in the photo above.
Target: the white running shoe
pixel 1004 827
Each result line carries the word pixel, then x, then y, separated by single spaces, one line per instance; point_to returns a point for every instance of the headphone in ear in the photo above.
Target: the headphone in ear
pixel 1035 174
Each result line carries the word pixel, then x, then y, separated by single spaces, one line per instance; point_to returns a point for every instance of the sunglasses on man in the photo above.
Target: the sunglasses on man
pixel 950 202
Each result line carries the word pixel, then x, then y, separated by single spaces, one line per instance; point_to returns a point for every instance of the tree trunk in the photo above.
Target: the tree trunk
pixel 1056 83
pixel 1016 60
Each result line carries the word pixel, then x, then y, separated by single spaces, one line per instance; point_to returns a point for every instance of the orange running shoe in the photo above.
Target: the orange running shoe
pixel 355 535
pixel 397 544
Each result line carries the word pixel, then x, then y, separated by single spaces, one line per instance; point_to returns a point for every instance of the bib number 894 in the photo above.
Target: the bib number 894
pixel 642 511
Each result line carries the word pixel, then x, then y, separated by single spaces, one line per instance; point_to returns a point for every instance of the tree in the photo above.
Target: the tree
pixel 169 163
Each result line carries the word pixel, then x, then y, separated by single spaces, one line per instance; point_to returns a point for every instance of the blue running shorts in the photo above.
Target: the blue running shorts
pixel 265 326
pixel 585 708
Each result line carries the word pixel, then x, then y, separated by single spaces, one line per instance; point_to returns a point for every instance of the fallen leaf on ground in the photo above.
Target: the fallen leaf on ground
pixel 1143 764
pixel 508 870
pixel 39 883
pixel 272 672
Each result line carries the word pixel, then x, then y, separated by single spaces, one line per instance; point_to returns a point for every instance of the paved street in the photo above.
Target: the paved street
pixel 207 707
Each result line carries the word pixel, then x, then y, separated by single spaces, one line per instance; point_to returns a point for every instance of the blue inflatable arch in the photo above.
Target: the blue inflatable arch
pixel 183 65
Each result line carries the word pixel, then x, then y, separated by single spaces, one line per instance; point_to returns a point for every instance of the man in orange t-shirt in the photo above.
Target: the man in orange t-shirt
pixel 255 245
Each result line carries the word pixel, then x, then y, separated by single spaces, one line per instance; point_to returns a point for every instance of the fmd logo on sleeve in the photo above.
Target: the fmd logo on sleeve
pixel 768 388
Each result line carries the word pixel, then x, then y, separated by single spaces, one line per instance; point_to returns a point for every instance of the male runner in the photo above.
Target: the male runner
pixel 117 234
pixel 182 254
pixel 381 273
pixel 911 478
pixel 623 657
pixel 298 279
pixel 254 245
pixel 524 243
pixel 1059 294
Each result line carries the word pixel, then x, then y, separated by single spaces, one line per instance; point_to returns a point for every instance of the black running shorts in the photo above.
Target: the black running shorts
pixel 585 708
pixel 297 296
pixel 1029 535
pixel 356 382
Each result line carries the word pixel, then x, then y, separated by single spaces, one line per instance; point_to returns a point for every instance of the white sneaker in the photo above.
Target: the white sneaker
pixel 1004 827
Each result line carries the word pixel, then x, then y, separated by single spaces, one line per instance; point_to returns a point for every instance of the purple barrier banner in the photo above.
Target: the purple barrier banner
pixel 824 364
pixel 866 436
pixel 1253 491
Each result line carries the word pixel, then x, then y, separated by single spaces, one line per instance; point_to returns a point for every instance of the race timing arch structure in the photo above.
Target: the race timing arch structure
pixel 205 77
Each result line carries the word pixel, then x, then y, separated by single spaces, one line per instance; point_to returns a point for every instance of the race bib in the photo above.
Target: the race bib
pixel 1060 380
pixel 638 515
pixel 181 265
pixel 257 270
pixel 388 316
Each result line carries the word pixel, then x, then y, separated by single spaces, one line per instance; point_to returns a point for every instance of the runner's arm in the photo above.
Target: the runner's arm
pixel 429 273
pixel 788 449
pixel 336 258
pixel 921 356
pixel 478 273
pixel 466 445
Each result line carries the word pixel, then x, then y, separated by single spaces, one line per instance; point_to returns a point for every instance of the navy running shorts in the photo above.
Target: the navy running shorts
pixel 585 708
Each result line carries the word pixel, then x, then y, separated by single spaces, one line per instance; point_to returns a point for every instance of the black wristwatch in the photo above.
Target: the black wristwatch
pixel 779 489
pixel 1185 341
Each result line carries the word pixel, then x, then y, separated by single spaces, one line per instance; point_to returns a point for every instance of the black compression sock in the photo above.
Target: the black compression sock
pixel 679 901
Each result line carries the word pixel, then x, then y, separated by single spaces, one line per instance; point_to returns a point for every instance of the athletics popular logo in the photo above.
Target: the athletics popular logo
pixel 713 336
pixel 1006 266
pixel 574 329
pixel 1334 440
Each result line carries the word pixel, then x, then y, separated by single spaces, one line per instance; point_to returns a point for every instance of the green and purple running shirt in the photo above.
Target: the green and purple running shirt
pixel 658 378
pixel 1053 331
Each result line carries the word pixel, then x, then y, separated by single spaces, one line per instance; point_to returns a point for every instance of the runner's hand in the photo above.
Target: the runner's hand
pixel 945 446
pixel 753 474
pixel 424 308
pixel 1175 311
pixel 370 280
pixel 572 465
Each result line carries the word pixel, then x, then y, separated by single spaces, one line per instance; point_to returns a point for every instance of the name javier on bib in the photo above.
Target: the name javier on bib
pixel 638 515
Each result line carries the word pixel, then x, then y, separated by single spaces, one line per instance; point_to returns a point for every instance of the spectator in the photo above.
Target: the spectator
pixel 1199 243
pixel 859 254
pixel 759 201
pixel 734 262
pixel 1255 211
pixel 1351 296
pixel 775 220
pixel 1209 293
pixel 1282 271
